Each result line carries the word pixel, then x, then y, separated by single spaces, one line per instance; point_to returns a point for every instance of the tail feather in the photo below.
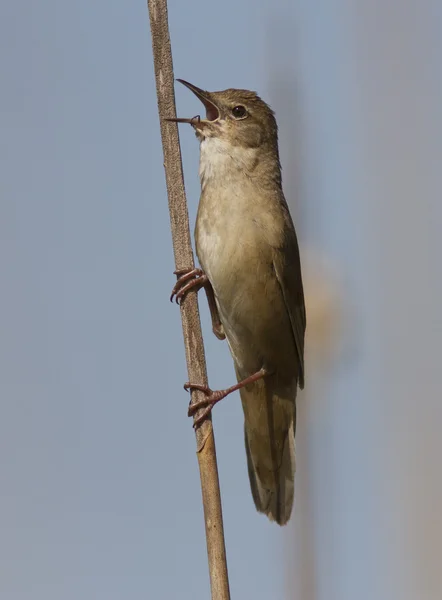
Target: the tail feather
pixel 274 498
pixel 269 408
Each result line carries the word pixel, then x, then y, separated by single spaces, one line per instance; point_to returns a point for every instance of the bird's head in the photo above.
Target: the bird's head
pixel 239 117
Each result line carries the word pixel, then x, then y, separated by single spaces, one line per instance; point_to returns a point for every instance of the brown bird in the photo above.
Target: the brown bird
pixel 247 247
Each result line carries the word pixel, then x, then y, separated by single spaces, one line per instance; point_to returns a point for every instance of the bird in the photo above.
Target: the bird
pixel 251 271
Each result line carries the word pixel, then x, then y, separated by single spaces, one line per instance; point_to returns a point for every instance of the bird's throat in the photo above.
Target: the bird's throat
pixel 222 162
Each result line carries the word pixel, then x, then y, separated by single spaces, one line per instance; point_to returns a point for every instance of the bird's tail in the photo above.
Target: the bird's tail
pixel 269 433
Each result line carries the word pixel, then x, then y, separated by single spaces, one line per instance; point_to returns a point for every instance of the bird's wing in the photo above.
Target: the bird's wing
pixel 287 266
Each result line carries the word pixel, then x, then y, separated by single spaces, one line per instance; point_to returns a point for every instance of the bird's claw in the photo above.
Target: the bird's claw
pixel 212 397
pixel 187 279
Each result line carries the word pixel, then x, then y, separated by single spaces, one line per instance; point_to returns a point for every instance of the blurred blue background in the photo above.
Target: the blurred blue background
pixel 99 483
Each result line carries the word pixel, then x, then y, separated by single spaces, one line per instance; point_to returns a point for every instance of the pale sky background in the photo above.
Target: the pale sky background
pixel 99 485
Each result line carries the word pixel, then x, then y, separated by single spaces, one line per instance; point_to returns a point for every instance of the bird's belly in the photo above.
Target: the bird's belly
pixel 239 266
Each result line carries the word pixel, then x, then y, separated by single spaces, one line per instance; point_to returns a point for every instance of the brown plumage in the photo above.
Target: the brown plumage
pixel 246 244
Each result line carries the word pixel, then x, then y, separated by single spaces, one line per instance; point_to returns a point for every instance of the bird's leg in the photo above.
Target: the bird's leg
pixel 217 326
pixel 212 397
pixel 189 279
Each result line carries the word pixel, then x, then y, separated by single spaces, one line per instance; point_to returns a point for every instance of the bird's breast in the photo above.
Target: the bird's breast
pixel 226 236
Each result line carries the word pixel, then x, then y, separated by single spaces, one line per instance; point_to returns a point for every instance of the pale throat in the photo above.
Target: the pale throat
pixel 222 160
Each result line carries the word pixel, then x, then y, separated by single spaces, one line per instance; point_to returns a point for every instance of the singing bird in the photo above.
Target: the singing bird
pixel 247 247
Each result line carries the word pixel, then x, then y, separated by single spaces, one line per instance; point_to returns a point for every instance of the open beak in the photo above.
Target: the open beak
pixel 212 112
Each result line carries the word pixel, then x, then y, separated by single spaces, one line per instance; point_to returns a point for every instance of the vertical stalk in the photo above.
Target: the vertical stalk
pixel 193 341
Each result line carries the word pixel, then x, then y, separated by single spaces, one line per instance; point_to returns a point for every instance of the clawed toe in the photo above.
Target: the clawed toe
pixel 205 402
pixel 198 386
pixel 187 279
pixel 212 397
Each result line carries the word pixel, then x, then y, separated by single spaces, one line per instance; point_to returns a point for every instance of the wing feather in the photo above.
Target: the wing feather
pixel 287 264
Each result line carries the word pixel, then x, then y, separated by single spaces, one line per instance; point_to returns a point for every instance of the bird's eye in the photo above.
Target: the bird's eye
pixel 239 112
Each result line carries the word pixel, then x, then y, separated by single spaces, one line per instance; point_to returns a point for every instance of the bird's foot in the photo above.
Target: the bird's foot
pixel 212 397
pixel 187 280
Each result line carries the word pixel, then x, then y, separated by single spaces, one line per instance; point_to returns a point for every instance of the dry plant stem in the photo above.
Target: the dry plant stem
pixel 193 341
